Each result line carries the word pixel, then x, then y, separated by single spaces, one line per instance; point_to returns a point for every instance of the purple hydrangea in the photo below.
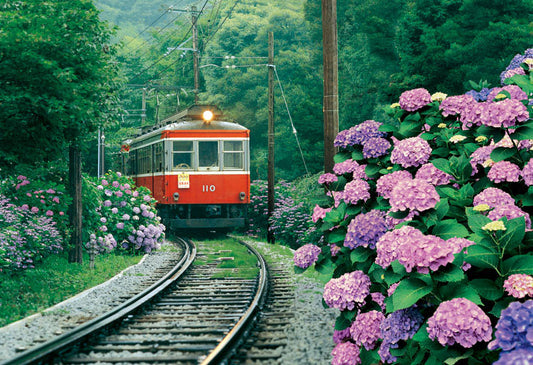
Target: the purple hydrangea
pixel 345 353
pixel 514 91
pixel 414 194
pixel 319 213
pixel 397 326
pixel 375 147
pixel 432 175
pixel 306 255
pixel 345 167
pixel 365 330
pixel 415 99
pixel 527 173
pixel 341 336
pixel 519 285
pixel 480 157
pixel 365 229
pixel 348 291
pixel 456 105
pixel 510 212
pixel 504 171
pixel 358 134
pixel 514 328
pixel 386 183
pixel 355 191
pixel 360 173
pixel 505 113
pixel 389 244
pixel 327 178
pixel 515 64
pixel 409 152
pixel 480 95
pixel 459 321
pixel 379 299
pixel 493 197
pixel 522 356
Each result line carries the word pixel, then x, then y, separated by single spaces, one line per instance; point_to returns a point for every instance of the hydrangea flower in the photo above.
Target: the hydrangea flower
pixel 365 229
pixel 503 114
pixel 356 190
pixel 514 328
pixel 386 183
pixel 514 90
pixel 480 157
pixel 409 152
pixel 415 99
pixel 455 105
pixel 515 64
pixel 397 326
pixel 432 175
pixel 494 226
pixel 519 285
pixel 527 173
pixel 503 171
pixel 365 330
pixel 347 291
pixel 388 245
pixel 414 194
pixel 319 213
pixel 345 353
pixel 306 255
pixel 459 321
pixel 327 178
pixel 375 147
pixel 509 212
pixel 480 95
pixel 341 336
pixel 358 134
pixel 493 197
pixel 345 167
pixel 523 356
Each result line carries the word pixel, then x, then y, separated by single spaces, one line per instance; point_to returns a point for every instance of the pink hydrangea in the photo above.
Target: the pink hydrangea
pixel 341 336
pixel 510 212
pixel 504 171
pixel 389 245
pixel 493 197
pixel 327 178
pixel 409 152
pixel 459 321
pixel 415 99
pixel 503 114
pixel 480 157
pixel 365 330
pixel 514 90
pixel 375 147
pixel 345 167
pixel 432 175
pixel 356 190
pixel 348 291
pixel 519 285
pixel 414 194
pixel 455 105
pixel 527 173
pixel 319 213
pixel 345 353
pixel 386 183
pixel 306 255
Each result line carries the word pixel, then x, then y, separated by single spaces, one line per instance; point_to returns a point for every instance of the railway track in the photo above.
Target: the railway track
pixel 192 315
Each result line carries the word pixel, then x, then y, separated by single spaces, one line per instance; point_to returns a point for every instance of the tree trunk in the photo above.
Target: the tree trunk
pixel 75 210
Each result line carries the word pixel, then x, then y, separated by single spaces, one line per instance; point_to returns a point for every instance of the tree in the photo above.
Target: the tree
pixel 59 84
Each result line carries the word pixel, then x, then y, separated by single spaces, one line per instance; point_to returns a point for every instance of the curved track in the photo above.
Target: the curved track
pixel 188 317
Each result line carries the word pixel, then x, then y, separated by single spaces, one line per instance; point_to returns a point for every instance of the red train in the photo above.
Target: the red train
pixel 197 167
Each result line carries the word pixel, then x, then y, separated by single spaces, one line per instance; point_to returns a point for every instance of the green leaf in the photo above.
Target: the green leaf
pixel 372 170
pixel 342 323
pixel 482 257
pixel 514 234
pixel 336 236
pixel 341 157
pixel 441 152
pixel 360 254
pixel 455 359
pixel 450 228
pixel 476 221
pixel 522 264
pixel 408 292
pixel 487 289
pixel 449 273
pixel 523 132
pixel 326 267
pixel 502 153
pixel 443 165
pixel 357 155
pixel 460 290
pixel 299 270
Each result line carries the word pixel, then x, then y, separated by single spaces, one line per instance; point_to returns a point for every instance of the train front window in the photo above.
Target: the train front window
pixel 182 152
pixel 233 155
pixel 207 154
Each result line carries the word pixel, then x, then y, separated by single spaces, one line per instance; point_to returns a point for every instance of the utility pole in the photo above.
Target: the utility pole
pixel 195 54
pixel 331 81
pixel 143 107
pixel 270 234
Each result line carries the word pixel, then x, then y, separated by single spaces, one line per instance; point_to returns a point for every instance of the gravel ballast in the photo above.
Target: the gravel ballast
pixel 309 336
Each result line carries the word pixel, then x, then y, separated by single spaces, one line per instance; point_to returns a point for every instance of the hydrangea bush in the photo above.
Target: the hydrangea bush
pixel 427 236
pixel 120 216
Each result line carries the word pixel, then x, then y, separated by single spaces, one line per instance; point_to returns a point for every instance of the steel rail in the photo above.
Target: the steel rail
pixel 44 351
pixel 229 342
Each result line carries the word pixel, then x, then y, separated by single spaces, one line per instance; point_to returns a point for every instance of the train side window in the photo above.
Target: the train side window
pixel 158 157
pixel 233 155
pixel 207 155
pixel 182 153
pixel 144 160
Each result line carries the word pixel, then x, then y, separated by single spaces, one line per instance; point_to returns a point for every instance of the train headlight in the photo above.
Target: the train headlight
pixel 176 196
pixel 242 195
pixel 207 116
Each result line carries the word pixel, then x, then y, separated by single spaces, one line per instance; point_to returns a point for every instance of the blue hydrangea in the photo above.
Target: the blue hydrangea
pixel 366 229
pixel 514 329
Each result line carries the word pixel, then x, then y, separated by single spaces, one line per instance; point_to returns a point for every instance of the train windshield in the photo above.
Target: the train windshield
pixel 207 154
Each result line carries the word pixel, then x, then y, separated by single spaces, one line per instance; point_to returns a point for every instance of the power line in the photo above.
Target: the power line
pixel 222 23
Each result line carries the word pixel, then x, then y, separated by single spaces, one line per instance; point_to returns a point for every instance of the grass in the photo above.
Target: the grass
pixel 53 281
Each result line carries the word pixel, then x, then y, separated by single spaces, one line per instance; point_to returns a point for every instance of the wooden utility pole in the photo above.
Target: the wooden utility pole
pixel 75 210
pixel 331 81
pixel 270 234
pixel 195 54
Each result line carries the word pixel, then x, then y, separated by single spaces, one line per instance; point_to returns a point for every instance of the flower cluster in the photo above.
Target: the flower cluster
pixel 413 194
pixel 513 330
pixel 415 99
pixel 504 171
pixel 459 321
pixel 345 353
pixel 519 285
pixel 365 229
pixel 397 326
pixel 408 152
pixel 348 291
pixel 365 330
pixel 306 255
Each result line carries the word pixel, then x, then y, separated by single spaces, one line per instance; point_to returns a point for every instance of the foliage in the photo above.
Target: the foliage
pixel 59 83
pixel 428 229
pixel 120 216
pixel 52 281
